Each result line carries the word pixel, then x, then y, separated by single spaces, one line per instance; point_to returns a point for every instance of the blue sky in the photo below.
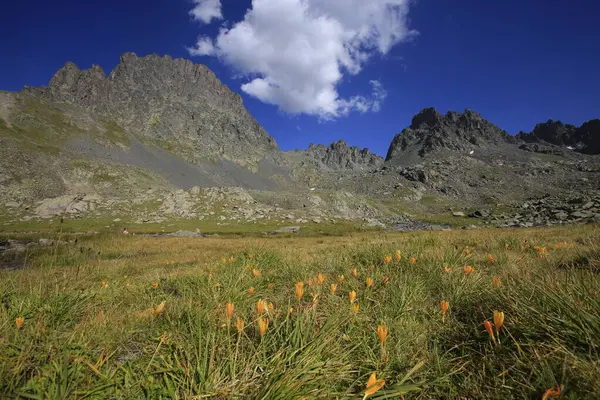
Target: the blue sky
pixel 515 62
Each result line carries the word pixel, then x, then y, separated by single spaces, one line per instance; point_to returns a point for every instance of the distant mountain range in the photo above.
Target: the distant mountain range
pixel 123 143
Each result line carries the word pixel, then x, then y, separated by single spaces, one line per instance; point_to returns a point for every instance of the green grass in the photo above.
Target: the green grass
pixel 44 130
pixel 207 226
pixel 429 200
pixel 90 329
pixel 116 134
pixel 549 157
pixel 449 219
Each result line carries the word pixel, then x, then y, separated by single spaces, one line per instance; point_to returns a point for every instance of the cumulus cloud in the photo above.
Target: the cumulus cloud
pixel 294 53
pixel 204 47
pixel 206 10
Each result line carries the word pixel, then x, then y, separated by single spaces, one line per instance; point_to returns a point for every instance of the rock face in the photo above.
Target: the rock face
pixel 339 155
pixel 463 156
pixel 431 131
pixel 584 139
pixel 167 99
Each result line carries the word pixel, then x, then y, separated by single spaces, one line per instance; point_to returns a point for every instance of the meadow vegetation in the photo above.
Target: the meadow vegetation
pixel 383 315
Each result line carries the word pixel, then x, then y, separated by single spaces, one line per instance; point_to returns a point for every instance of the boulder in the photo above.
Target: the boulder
pixel 480 214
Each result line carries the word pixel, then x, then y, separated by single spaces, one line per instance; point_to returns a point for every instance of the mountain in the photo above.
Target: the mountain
pixel 584 139
pixel 463 156
pixel 339 155
pixel 165 99
pixel 431 131
pixel 162 139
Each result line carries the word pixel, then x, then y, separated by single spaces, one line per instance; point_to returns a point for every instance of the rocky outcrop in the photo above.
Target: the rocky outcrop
pixel 339 155
pixel 543 149
pixel 589 134
pixel 170 100
pixel 555 210
pixel 584 139
pixel 553 132
pixel 430 132
pixel 68 204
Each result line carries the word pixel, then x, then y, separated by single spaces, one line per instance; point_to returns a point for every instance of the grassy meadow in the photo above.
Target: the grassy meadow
pixel 131 317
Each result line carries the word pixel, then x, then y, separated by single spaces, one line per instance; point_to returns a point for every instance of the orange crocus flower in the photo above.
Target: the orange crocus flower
pixel 229 310
pixel 488 327
pixel 260 306
pixel 239 324
pixel 496 281
pixel 444 305
pixel 382 333
pixel 263 325
pixel 160 309
pixel 498 320
pixel 321 279
pixel 299 290
pixel 352 296
pixel 373 385
pixel 553 392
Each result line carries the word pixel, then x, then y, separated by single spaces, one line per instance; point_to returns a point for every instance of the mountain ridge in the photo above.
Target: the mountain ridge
pixel 158 129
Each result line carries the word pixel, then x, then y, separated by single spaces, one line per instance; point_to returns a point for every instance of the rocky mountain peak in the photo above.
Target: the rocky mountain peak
pixel 584 139
pixel 340 155
pixel 427 116
pixel 431 131
pixel 129 57
pixel 167 99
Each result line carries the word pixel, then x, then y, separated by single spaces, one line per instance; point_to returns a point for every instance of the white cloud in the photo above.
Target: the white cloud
pixel 295 53
pixel 206 10
pixel 204 47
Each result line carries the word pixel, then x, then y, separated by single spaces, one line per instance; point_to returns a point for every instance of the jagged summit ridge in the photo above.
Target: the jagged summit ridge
pixel 339 155
pixel 585 138
pixel 167 99
pixel 431 131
